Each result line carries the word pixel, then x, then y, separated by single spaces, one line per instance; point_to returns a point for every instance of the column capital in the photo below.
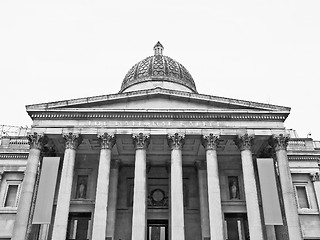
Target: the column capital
pixel 244 142
pixel 36 141
pixel 72 140
pixel 115 164
pixel 315 177
pixel 210 141
pixel 279 142
pixel 176 141
pixel 200 165
pixel 141 140
pixel 106 140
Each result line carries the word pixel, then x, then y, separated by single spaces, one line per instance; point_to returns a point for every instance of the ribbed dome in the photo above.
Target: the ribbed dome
pixel 158 68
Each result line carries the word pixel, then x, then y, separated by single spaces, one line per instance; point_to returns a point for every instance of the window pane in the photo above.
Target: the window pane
pixel 302 197
pixel 11 196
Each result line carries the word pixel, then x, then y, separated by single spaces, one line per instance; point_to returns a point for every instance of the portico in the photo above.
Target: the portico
pixel 160 161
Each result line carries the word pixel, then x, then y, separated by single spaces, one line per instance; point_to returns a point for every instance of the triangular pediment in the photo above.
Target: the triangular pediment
pixel 157 99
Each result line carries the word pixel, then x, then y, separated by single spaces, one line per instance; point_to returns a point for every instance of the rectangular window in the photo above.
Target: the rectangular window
pixel 11 198
pixel 302 196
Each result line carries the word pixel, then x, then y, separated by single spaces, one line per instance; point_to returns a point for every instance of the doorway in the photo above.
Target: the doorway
pixel 78 226
pixel 157 230
pixel 236 226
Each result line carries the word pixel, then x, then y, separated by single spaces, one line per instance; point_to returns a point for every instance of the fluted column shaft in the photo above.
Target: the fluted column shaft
pixel 101 203
pixel 36 142
pixel 244 143
pixel 279 143
pixel 112 202
pixel 203 198
pixel 141 142
pixel 176 142
pixel 63 202
pixel 214 197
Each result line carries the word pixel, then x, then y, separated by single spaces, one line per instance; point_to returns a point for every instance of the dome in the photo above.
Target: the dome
pixel 158 70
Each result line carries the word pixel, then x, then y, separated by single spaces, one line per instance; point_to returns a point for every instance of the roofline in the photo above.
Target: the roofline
pixel 154 91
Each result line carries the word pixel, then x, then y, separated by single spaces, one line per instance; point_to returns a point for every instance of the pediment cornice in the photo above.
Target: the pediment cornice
pixel 143 94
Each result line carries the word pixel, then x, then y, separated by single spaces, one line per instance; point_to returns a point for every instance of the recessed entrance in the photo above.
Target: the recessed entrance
pixel 78 226
pixel 236 225
pixel 157 230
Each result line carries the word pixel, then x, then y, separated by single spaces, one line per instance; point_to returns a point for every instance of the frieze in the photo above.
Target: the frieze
pixel 153 124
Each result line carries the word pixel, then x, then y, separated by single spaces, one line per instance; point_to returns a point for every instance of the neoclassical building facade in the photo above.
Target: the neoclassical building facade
pixel 159 161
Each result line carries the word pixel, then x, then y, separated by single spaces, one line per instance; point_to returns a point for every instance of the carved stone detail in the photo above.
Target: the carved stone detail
pixel 315 176
pixel 210 142
pixel 141 141
pixel 244 142
pixel 279 142
pixel 72 140
pixel 158 198
pixel 107 141
pixel 36 141
pixel 176 141
pixel 200 165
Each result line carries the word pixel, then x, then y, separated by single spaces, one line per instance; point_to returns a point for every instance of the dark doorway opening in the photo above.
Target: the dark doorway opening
pixel 78 226
pixel 157 230
pixel 236 225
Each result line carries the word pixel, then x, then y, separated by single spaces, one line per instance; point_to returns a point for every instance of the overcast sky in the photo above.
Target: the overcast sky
pixel 262 51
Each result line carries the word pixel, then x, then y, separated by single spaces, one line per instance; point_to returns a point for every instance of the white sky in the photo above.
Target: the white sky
pixel 263 51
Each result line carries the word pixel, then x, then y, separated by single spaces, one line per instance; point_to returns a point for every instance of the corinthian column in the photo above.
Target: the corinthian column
pixel 203 198
pixel 141 142
pixel 36 142
pixel 279 143
pixel 63 203
pixel 244 143
pixel 176 142
pixel 112 202
pixel 215 213
pixel 101 204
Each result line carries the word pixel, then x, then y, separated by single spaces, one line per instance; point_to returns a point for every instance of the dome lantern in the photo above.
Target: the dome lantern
pixel 158 49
